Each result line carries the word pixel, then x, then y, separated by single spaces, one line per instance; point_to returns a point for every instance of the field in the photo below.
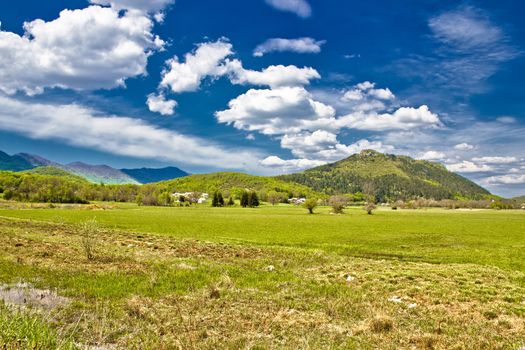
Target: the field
pixel 270 277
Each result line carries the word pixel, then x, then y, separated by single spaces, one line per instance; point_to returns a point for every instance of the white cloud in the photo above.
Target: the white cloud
pixel 403 118
pixel 300 7
pixel 149 6
pixel 465 28
pixel 495 160
pixel 80 126
pixel 307 143
pixel 91 48
pixel 276 111
pixel 366 90
pixel 317 149
pixel 432 155
pixel 353 95
pixel 366 85
pixel 206 61
pixel 468 167
pixel 273 76
pixel 510 179
pixel 290 164
pixel 159 104
pixel 300 45
pixel 506 119
pixel 382 94
pixel 464 147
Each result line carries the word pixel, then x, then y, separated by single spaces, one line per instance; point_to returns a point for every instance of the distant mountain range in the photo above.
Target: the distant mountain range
pixel 93 173
pixel 391 176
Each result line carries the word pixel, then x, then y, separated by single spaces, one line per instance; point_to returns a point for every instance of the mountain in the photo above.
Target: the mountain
pixel 93 173
pixel 147 175
pixel 392 177
pixel 14 163
pixel 519 199
pixel 100 173
pixel 37 161
pixel 230 182
pixel 54 171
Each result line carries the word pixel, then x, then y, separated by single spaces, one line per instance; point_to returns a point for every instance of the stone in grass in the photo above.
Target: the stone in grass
pixel 270 268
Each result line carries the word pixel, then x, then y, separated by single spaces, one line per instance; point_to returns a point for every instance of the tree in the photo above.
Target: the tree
pixel 231 202
pixel 217 200
pixel 274 197
pixel 214 200
pixel 370 195
pixel 338 204
pixel 245 199
pixel 253 199
pixel 310 204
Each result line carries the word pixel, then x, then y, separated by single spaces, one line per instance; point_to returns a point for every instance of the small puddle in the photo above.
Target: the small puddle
pixel 26 295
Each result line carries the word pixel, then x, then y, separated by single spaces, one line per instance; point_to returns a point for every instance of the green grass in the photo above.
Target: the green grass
pixel 266 278
pixel 482 237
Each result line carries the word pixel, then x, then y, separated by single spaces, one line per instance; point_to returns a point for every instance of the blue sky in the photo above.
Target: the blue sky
pixel 266 86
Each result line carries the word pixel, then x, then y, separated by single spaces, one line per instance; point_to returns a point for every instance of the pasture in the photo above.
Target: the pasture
pixel 269 277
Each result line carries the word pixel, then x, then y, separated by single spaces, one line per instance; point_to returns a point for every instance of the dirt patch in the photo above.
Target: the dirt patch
pixel 26 295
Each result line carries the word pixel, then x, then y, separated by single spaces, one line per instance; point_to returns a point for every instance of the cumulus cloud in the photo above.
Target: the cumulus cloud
pixel 403 118
pixel 432 155
pixel 159 104
pixel 206 61
pixel 464 147
pixel 273 76
pixel 365 90
pixel 468 167
pixel 300 7
pixel 276 111
pixel 289 164
pixel 495 160
pixel 382 94
pixel 84 49
pixel 300 45
pixel 80 126
pixel 318 148
pixel 509 179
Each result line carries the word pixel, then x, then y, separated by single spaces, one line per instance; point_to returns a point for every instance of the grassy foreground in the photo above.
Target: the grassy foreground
pixel 198 278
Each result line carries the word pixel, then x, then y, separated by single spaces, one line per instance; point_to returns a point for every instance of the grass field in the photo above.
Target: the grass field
pixel 271 277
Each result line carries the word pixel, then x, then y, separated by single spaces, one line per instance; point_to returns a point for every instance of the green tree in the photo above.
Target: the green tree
pixel 220 200
pixel 231 202
pixel 310 204
pixel 245 199
pixel 253 199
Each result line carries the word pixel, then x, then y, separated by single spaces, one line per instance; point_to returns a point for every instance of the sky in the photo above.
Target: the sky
pixel 266 86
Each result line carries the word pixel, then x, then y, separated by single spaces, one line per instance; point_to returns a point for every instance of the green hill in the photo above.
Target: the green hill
pixel 230 182
pixel 393 177
pixel 53 171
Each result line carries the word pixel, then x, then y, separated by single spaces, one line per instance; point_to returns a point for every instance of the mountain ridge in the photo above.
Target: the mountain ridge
pixel 93 173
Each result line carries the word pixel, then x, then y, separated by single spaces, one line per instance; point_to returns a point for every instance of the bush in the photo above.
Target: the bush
pixel 338 204
pixel 89 231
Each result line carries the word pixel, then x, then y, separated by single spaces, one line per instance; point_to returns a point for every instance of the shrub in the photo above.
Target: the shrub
pixel 89 231
pixel 338 203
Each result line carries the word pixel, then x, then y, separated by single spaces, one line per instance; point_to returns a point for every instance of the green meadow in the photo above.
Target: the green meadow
pixel 272 277
pixel 484 237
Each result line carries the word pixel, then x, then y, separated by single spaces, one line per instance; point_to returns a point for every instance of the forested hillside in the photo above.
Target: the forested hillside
pixel 392 177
